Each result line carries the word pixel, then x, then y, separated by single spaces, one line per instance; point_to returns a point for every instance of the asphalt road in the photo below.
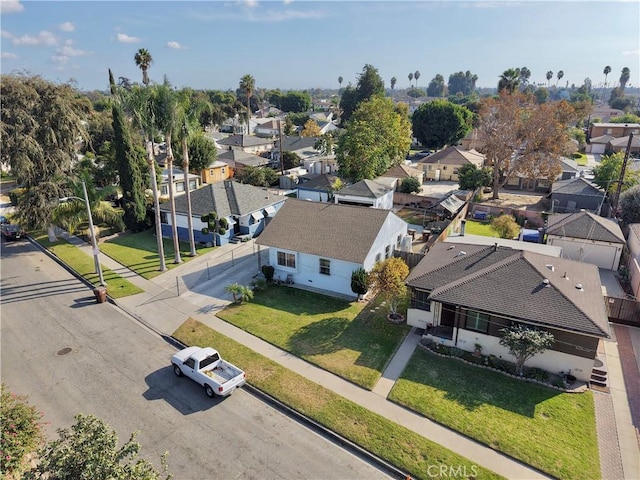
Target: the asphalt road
pixel 71 355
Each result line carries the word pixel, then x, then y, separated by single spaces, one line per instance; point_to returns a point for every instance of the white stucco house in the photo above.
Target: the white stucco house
pixel 178 182
pixel 376 193
pixel 586 237
pixel 321 244
pixel 246 208
pixel 464 294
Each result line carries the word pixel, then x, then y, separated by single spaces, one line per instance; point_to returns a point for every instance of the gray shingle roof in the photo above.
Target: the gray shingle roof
pixel 454 156
pixel 322 182
pixel 293 143
pixel 242 140
pixel 511 283
pixel 402 171
pixel 577 186
pixel 365 188
pixel 584 225
pixel 341 232
pixel 239 156
pixel 226 198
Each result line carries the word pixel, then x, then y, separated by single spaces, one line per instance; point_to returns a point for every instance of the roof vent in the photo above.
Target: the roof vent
pixel 579 287
pixel 550 267
pixel 546 282
pixel 461 252
pixel 565 276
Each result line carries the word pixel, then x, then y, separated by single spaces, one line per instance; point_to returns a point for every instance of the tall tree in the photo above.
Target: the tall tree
pixel 370 84
pixel 393 82
pixel 311 129
pixel 248 85
pixel 462 82
pixel 509 80
pixel 377 137
pixel 630 205
pixel 559 76
pixel 340 79
pixel 416 75
pixel 624 78
pixel 521 137
pixel 188 112
pixel 525 74
pixel 436 87
pixel 139 103
pixel 167 111
pixel 549 77
pixel 607 173
pixel 410 80
pixel 606 71
pixel 129 166
pixel 143 61
pixel 40 125
pixel 439 123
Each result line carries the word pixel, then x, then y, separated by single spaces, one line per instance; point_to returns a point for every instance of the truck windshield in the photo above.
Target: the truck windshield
pixel 209 360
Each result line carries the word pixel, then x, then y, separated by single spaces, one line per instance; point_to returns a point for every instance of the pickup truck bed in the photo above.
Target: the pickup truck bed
pixel 204 366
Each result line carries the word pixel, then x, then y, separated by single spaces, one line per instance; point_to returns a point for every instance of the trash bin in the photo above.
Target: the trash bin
pixel 101 294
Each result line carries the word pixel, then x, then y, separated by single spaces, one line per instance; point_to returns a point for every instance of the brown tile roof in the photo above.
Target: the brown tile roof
pixel 509 282
pixel 329 230
pixel 403 171
pixel 584 225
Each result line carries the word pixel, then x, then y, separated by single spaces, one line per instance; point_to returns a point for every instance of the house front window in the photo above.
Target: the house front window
pixel 212 171
pixel 165 190
pixel 192 185
pixel 544 183
pixel 378 257
pixel 163 217
pixel 180 187
pixel 325 266
pixel 287 259
pixel 477 321
pixel 398 242
pixel 387 251
pixel 420 300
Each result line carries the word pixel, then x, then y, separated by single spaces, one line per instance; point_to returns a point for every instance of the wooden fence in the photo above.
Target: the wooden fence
pixel 410 258
pixel 623 310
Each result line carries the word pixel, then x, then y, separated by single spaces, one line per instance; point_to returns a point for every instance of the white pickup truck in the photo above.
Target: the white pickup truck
pixel 204 366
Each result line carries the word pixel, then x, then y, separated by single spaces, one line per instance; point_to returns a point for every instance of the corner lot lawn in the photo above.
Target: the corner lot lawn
pixel 352 340
pixel 139 252
pixel 552 431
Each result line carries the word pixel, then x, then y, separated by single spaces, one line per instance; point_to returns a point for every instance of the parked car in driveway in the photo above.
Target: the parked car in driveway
pixel 4 220
pixel 11 231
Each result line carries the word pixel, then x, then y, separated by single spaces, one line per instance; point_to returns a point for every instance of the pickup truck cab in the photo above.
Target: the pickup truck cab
pixel 205 367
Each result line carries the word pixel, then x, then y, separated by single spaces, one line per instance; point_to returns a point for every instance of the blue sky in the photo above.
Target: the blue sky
pixel 304 44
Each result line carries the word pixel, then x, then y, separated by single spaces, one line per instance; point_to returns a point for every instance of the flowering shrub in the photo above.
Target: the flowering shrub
pixel 21 430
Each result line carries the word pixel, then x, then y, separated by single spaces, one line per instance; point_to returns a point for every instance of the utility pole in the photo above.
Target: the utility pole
pixel 622 171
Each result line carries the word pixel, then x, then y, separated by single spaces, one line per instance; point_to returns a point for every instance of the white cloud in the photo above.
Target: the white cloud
pixel 11 6
pixel 250 3
pixel 287 2
pixel 631 52
pixel 5 34
pixel 43 38
pixel 60 59
pixel 71 52
pixel 8 56
pixel 67 27
pixel 124 38
pixel 175 45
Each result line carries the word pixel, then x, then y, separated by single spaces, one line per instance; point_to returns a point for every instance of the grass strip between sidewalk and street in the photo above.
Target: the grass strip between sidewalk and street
pixel 350 339
pixel 551 430
pixel 408 451
pixel 82 264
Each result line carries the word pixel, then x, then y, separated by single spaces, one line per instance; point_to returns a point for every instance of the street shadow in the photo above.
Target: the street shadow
pixel 12 293
pixel 181 393
pixel 83 302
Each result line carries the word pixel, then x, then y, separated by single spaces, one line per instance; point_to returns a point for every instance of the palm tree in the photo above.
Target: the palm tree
pixel 606 71
pixel 393 82
pixel 70 215
pixel 509 80
pixel 143 61
pixel 248 85
pixel 166 111
pixel 559 75
pixel 525 74
pixel 416 76
pixel 138 102
pixel 340 79
pixel 410 79
pixel 624 78
pixel 549 77
pixel 190 109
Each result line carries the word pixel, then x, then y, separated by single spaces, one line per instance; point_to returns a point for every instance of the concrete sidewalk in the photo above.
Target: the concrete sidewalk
pixel 196 289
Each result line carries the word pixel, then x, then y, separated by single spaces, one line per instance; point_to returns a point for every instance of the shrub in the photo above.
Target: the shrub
pixel 538 374
pixel 15 194
pixel 268 271
pixel 21 430
pixel 258 284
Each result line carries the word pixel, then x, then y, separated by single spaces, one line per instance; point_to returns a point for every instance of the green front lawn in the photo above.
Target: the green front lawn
pixel 550 430
pixel 139 252
pixel 82 264
pixel 352 340
pixel 473 227
pixel 408 451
